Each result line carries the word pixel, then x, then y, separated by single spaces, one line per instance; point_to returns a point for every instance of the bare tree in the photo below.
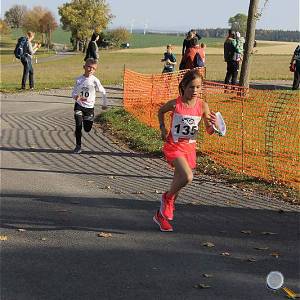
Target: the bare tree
pixel 250 37
pixel 15 15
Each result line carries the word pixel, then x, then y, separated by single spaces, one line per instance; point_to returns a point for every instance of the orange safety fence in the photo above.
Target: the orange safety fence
pixel 262 138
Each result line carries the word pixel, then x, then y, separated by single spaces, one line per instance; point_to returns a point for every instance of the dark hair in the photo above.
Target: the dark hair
pixel 194 41
pixel 94 36
pixel 187 78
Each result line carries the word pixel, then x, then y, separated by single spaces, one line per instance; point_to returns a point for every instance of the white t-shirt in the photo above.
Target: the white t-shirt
pixel 86 88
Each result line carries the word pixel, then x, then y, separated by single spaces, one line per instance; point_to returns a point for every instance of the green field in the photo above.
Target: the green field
pixel 156 40
pixel 59 71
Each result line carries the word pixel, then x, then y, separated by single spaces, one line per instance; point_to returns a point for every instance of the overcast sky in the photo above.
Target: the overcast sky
pixel 183 15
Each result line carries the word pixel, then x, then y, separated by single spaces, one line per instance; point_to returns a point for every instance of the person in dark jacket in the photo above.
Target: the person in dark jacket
pixel 92 49
pixel 232 65
pixel 295 67
pixel 169 60
pixel 187 42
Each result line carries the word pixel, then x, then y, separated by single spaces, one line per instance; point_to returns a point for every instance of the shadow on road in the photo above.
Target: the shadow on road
pixel 62 250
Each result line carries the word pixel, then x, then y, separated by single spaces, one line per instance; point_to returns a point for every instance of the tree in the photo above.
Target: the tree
pixel 83 17
pixel 15 15
pixel 32 19
pixel 4 29
pixel 118 36
pixel 250 36
pixel 47 25
pixel 40 20
pixel 238 23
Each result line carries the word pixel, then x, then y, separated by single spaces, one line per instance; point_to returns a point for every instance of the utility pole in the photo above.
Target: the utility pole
pixel 250 37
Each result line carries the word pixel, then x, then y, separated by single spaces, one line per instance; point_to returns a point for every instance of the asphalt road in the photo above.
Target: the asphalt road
pixel 55 203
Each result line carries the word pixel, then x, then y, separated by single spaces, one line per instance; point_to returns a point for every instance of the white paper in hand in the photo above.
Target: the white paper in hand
pixel 220 127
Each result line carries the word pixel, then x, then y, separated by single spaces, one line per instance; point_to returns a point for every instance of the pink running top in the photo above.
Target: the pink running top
pixel 185 122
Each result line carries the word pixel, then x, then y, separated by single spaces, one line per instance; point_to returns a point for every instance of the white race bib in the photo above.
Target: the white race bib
pixel 87 93
pixel 185 127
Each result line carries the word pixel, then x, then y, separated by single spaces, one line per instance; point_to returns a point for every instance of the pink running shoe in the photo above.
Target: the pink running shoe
pixel 167 207
pixel 163 224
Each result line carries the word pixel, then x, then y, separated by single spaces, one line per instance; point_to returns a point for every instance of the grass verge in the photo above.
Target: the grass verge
pixel 140 137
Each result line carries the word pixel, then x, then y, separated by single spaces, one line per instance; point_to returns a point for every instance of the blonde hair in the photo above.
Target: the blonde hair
pixel 30 33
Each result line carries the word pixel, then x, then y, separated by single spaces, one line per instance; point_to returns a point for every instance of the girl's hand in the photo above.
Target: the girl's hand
pixel 213 118
pixel 163 132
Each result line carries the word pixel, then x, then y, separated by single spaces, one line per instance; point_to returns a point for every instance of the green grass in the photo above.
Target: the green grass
pixel 157 40
pixel 61 73
pixel 59 35
pixel 137 135
pixel 142 138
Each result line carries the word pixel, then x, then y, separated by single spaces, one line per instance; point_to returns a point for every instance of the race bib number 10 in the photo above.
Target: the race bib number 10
pixel 84 93
pixel 185 127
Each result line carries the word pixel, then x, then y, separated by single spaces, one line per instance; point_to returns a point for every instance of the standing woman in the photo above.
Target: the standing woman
pixel 26 60
pixel 92 49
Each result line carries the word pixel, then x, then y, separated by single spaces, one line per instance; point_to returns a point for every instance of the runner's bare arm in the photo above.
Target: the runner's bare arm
pixel 169 106
pixel 209 118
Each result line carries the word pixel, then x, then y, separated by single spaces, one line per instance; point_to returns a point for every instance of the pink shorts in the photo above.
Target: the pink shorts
pixel 174 150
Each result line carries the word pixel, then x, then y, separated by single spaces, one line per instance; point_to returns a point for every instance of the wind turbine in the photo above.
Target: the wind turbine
pixel 145 27
pixel 131 25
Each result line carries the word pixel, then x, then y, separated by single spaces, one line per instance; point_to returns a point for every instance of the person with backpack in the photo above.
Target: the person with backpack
pixel 194 56
pixel 24 51
pixel 232 65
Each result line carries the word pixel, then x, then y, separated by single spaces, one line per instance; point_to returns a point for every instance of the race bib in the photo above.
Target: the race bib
pixel 86 93
pixel 185 127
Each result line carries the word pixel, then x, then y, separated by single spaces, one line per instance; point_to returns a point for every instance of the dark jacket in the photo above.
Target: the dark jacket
pixel 92 51
pixel 187 43
pixel 229 49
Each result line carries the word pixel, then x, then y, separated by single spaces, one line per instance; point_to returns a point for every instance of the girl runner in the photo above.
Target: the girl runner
pixel 180 143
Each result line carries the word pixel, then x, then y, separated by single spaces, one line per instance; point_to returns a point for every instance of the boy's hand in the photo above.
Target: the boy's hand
pixel 77 97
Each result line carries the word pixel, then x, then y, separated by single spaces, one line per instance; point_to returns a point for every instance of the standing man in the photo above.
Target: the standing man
pixel 295 65
pixel 232 65
pixel 26 60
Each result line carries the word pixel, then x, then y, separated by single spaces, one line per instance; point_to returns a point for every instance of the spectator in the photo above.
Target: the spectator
pixel 187 41
pixel 26 60
pixel 232 65
pixel 194 56
pixel 239 51
pixel 169 60
pixel 295 67
pixel 203 47
pixel 92 49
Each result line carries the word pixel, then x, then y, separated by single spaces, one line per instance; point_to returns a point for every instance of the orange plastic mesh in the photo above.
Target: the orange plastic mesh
pixel 262 138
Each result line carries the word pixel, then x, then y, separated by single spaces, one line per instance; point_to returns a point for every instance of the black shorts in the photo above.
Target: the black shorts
pixel 87 113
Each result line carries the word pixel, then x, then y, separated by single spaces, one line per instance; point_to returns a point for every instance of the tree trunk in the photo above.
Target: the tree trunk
pixel 250 37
